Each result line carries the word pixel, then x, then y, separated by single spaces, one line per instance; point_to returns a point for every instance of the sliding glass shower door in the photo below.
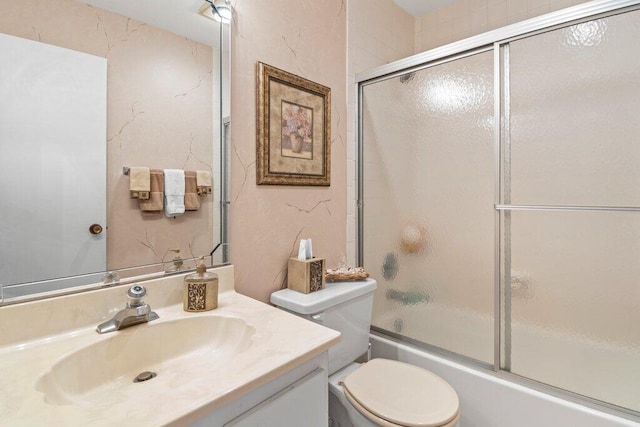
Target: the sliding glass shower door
pixel 572 174
pixel 512 173
pixel 429 188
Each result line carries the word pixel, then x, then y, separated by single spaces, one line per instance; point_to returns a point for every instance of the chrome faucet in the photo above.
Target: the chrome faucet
pixel 134 313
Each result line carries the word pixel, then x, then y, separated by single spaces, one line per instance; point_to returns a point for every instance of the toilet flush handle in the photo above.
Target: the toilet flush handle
pixel 319 318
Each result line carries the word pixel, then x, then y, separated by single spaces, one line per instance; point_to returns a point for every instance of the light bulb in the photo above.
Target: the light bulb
pixel 224 11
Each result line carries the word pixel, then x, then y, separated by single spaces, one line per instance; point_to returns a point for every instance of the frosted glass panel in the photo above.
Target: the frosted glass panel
pixel 428 195
pixel 574 114
pixel 575 302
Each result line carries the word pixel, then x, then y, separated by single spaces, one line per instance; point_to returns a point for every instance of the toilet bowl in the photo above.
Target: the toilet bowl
pixel 380 392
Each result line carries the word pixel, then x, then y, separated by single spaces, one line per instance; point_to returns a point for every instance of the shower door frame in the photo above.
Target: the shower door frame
pixel 497 41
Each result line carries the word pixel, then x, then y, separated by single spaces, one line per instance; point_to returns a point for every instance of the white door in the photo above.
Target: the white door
pixel 53 120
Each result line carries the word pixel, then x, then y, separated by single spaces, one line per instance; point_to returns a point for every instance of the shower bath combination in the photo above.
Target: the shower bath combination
pixel 515 150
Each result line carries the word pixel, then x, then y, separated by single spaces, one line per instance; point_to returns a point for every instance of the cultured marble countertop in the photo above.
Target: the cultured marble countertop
pixel 281 342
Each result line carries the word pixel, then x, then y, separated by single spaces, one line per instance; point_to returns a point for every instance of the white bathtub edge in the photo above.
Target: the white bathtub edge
pixel 483 394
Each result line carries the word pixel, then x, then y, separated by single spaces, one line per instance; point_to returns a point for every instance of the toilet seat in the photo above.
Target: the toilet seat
pixel 396 394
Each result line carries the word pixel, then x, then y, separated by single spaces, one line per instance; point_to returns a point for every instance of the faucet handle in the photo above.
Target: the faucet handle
pixel 135 295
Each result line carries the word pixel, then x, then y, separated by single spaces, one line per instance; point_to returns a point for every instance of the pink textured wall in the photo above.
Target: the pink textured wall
pixel 159 108
pixel 307 38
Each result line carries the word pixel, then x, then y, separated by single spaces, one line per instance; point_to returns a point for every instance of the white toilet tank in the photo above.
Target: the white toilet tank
pixel 343 306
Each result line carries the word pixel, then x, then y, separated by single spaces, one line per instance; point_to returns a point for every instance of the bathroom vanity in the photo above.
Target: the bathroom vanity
pixel 244 361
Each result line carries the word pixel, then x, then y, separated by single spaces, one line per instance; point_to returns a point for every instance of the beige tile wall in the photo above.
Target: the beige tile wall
pixel 379 32
pixel 466 18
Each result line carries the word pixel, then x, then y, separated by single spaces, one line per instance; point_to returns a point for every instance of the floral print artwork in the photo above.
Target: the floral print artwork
pixel 297 135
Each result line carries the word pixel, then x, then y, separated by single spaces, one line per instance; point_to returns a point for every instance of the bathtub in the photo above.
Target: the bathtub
pixel 488 399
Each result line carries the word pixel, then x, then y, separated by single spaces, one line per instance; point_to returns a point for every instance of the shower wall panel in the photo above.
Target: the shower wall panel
pixel 429 189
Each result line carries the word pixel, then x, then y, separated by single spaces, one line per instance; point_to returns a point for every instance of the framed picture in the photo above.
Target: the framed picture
pixel 293 129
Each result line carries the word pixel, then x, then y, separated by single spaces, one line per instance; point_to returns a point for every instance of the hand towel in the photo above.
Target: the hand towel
pixel 173 192
pixel 139 183
pixel 156 196
pixel 204 182
pixel 191 201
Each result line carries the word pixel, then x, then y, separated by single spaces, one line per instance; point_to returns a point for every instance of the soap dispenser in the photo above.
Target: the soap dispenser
pixel 200 289
pixel 176 262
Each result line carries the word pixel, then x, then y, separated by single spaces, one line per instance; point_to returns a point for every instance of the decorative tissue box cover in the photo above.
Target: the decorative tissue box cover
pixel 306 275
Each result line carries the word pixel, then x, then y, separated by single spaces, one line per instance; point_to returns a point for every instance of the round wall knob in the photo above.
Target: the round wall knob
pixel 95 229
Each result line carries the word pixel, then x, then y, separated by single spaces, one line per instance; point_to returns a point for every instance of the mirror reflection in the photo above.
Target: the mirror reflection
pixel 87 92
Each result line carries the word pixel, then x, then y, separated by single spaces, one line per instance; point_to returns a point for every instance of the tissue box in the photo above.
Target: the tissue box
pixel 305 275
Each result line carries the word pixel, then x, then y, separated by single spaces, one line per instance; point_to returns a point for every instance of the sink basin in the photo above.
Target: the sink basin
pixel 177 351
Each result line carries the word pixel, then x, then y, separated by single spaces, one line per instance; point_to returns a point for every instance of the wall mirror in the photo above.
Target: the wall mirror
pixel 88 89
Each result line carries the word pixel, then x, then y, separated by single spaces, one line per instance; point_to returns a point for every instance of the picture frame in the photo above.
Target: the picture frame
pixel 293 129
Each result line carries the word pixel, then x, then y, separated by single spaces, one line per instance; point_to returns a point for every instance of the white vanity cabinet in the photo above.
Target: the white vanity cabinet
pixel 296 398
pixel 301 402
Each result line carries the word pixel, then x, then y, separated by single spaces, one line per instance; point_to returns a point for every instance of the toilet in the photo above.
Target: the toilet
pixel 380 392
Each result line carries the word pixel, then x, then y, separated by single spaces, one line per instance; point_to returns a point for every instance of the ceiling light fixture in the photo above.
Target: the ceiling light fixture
pixel 221 10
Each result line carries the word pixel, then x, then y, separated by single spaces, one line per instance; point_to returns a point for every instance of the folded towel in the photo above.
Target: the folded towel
pixel 204 182
pixel 155 202
pixel 139 183
pixel 191 201
pixel 173 192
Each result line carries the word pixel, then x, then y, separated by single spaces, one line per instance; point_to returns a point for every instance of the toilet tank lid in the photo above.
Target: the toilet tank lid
pixel 333 294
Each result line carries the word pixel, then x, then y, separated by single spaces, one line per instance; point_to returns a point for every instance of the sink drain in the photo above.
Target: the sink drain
pixel 145 376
